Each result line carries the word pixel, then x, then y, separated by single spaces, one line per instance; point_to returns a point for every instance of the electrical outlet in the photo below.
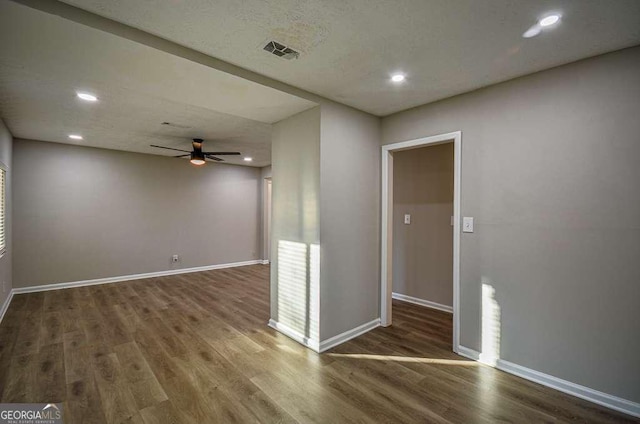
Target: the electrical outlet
pixel 175 258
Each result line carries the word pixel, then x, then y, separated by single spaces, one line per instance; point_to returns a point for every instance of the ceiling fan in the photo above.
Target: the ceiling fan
pixel 198 157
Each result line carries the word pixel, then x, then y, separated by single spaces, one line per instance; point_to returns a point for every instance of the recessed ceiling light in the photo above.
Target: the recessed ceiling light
pixel 75 137
pixel 398 77
pixel 533 31
pixel 549 20
pixel 88 97
pixel 248 159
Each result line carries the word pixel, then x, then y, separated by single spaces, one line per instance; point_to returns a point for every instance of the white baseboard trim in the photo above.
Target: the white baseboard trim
pixel 468 353
pixel 293 334
pixel 613 402
pixel 5 305
pixel 422 302
pixel 348 335
pixel 265 262
pixel 58 286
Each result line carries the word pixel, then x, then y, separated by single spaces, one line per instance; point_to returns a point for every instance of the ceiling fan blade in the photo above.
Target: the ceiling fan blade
pixel 170 148
pixel 214 158
pixel 221 153
pixel 181 156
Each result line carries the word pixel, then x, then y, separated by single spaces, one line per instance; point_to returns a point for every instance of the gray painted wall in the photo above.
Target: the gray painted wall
pixel 550 171
pixel 85 213
pixel 423 249
pixel 295 231
pixel 6 148
pixel 349 219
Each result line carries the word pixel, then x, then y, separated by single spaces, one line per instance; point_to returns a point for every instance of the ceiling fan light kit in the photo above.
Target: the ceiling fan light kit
pixel 197 159
pixel 197 156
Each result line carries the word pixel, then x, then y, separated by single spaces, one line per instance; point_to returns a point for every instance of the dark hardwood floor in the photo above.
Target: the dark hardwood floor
pixel 195 348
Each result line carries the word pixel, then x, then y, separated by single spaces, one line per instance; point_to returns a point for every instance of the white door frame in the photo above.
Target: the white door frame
pixel 267 187
pixel 386 262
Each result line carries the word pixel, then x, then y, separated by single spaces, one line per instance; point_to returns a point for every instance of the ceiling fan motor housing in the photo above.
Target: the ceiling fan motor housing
pixel 197 155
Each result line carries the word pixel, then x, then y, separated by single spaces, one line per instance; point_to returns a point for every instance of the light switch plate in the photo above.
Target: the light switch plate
pixel 407 219
pixel 467 224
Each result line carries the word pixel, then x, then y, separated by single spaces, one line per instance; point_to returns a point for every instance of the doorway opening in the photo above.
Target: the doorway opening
pixel 445 195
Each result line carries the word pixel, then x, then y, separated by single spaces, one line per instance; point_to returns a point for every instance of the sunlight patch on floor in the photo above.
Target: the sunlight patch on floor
pixel 410 359
pixel 286 348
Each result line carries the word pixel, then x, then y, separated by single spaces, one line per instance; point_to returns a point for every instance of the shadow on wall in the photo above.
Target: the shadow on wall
pixel 298 287
pixel 491 326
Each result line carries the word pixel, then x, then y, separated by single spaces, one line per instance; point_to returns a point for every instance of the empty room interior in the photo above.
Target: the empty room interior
pixel 282 211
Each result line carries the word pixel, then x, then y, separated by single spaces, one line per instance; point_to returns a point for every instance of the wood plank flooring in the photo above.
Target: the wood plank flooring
pixel 195 348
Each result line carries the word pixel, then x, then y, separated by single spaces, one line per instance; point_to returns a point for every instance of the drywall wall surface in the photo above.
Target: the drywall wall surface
pixel 423 249
pixel 6 152
pixel 86 213
pixel 550 173
pixel 295 230
pixel 349 219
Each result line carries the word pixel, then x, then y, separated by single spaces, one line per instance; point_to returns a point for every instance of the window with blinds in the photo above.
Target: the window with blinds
pixel 3 211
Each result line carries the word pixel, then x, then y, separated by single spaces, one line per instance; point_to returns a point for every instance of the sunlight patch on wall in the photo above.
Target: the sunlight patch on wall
pixel 491 326
pixel 298 287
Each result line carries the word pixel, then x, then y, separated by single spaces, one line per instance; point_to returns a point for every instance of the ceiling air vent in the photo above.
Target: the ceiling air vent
pixel 174 125
pixel 281 50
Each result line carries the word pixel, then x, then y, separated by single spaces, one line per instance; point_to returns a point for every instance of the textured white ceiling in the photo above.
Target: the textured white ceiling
pixel 45 59
pixel 349 48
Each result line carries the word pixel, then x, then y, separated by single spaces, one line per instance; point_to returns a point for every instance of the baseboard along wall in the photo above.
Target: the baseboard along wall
pixel 422 302
pixel 325 344
pixel 586 393
pixel 613 402
pixel 295 335
pixel 5 305
pixel 118 279
pixel 348 335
